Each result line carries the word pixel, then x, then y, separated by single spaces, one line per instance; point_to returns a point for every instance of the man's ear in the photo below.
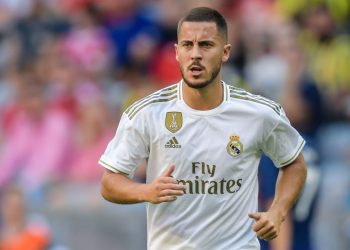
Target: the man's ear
pixel 227 52
pixel 176 48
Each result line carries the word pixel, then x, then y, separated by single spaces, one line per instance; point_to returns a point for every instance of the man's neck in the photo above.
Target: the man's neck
pixel 205 98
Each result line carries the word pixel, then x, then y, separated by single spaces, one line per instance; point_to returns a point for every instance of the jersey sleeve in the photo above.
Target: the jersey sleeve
pixel 283 143
pixel 127 148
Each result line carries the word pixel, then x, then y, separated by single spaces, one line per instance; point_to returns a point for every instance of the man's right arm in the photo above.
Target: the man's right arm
pixel 118 188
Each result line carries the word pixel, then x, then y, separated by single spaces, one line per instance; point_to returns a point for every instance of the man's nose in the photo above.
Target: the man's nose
pixel 196 53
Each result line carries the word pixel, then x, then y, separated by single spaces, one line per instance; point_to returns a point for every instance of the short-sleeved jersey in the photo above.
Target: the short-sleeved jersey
pixel 216 154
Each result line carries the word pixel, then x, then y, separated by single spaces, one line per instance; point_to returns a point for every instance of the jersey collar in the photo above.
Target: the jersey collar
pixel 202 112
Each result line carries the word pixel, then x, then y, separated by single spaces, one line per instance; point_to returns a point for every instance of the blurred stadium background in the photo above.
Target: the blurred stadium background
pixel 68 68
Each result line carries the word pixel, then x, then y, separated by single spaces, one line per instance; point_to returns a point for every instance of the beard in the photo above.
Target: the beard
pixel 203 84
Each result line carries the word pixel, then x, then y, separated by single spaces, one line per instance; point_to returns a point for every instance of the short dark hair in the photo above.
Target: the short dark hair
pixel 205 14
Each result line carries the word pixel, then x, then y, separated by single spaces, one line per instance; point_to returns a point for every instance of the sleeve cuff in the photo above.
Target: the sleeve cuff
pixel 104 163
pixel 295 155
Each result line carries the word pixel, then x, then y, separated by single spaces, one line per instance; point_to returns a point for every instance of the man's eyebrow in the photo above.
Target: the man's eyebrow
pixel 184 42
pixel 200 41
pixel 206 42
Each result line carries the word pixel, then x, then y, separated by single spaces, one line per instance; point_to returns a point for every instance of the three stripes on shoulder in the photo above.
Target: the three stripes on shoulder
pixel 171 93
pixel 244 95
pixel 164 95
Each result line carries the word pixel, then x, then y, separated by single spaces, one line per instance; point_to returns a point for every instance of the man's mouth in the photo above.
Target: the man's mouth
pixel 196 70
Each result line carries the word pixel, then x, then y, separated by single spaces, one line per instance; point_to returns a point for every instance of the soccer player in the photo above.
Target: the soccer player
pixel 203 139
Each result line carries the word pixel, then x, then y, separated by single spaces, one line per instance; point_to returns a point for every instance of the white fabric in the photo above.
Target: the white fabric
pixel 221 189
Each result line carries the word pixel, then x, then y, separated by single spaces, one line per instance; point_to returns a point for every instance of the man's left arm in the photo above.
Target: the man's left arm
pixel 290 181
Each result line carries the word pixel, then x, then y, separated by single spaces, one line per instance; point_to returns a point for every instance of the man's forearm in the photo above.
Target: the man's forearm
pixel 289 184
pixel 118 188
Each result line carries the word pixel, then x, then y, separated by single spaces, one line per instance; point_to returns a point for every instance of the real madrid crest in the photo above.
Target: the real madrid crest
pixel 173 121
pixel 234 146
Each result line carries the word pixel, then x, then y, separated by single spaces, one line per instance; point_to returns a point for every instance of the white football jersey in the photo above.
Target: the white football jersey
pixel 216 154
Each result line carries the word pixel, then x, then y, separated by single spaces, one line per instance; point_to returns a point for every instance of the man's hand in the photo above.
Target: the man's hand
pixel 164 188
pixel 267 226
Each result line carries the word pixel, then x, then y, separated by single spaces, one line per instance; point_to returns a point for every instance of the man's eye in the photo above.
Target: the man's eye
pixel 206 45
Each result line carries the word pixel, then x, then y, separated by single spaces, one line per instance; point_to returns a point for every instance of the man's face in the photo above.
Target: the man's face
pixel 200 52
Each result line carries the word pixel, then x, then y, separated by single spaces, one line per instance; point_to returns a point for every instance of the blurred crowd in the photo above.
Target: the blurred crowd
pixel 68 69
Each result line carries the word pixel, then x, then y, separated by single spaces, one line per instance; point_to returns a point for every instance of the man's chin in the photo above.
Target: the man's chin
pixel 196 84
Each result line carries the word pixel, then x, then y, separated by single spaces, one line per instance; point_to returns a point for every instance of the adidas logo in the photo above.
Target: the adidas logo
pixel 173 143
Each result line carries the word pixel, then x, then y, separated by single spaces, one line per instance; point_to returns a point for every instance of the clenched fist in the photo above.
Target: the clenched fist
pixel 164 188
pixel 267 226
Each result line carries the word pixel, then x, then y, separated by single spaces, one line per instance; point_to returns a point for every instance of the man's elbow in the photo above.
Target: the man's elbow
pixel 106 190
pixel 105 194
